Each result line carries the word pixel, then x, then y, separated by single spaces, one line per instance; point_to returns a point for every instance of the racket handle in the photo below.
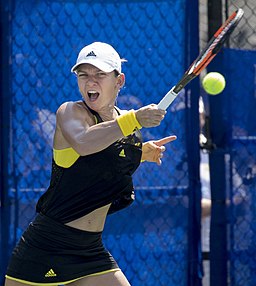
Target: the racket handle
pixel 167 99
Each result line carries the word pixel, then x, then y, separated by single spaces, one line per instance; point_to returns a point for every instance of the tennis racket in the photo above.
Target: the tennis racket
pixel 204 58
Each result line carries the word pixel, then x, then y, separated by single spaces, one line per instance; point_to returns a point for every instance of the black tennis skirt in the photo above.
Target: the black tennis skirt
pixel 54 253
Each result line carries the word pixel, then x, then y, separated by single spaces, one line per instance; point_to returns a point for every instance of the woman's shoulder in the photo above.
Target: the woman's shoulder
pixel 68 106
pixel 72 109
pixel 71 104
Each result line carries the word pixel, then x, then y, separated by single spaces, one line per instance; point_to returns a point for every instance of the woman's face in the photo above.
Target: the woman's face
pixel 99 89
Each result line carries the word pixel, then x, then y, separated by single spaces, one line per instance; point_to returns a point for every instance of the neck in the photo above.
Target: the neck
pixel 108 113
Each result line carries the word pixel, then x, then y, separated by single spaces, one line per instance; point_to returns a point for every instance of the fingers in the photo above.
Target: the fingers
pixel 159 154
pixel 165 140
pixel 150 115
pixel 153 151
pixel 161 148
pixel 159 161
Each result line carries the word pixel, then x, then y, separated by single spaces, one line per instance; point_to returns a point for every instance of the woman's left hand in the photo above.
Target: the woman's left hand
pixel 152 151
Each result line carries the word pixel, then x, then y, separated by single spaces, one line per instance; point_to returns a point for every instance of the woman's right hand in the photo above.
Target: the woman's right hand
pixel 150 115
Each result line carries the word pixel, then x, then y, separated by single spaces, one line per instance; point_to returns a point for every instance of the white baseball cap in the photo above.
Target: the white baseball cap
pixel 101 55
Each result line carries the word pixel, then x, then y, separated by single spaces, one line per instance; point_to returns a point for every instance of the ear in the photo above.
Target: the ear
pixel 121 80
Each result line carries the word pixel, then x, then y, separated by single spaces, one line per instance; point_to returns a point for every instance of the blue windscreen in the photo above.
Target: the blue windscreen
pixel 241 101
pixel 150 239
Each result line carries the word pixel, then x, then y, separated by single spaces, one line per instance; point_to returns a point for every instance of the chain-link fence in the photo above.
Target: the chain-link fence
pixel 244 38
pixel 243 143
pixel 238 65
pixel 150 239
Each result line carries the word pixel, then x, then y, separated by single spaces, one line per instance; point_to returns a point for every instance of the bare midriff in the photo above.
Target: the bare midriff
pixel 94 221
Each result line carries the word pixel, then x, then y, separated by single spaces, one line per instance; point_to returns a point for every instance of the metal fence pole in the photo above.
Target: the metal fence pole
pixel 218 229
pixel 192 129
pixel 5 98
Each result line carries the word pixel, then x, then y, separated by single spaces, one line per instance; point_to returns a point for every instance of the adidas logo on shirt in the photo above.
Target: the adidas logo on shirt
pixel 50 273
pixel 122 154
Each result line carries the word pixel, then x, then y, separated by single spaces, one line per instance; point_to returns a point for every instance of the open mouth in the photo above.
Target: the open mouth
pixel 93 95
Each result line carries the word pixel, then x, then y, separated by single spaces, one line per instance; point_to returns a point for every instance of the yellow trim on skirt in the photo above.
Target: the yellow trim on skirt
pixel 61 283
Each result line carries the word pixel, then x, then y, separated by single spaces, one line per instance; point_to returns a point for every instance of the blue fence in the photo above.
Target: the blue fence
pixel 157 240
pixel 241 96
pixel 233 171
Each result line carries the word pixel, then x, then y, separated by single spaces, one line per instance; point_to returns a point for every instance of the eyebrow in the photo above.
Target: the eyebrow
pixel 81 71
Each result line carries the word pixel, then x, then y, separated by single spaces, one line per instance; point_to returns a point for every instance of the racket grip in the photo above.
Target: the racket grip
pixel 167 99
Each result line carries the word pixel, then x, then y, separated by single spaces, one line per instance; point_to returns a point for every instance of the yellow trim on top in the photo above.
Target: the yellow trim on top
pixel 96 119
pixel 60 283
pixel 65 157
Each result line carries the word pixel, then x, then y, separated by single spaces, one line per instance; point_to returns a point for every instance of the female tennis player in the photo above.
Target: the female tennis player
pixel 97 147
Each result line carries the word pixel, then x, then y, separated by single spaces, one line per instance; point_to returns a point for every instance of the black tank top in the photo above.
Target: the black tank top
pixel 93 181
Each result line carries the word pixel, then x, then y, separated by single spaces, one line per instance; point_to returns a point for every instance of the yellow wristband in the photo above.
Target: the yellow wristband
pixel 128 122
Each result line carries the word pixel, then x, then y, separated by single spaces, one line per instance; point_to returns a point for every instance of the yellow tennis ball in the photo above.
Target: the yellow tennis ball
pixel 214 83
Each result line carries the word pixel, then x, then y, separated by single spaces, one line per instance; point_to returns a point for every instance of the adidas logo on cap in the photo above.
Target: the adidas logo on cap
pixel 91 54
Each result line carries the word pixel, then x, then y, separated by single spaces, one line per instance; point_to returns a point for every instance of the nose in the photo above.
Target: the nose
pixel 90 80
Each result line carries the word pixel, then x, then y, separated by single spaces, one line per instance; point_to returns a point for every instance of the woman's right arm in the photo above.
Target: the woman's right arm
pixel 86 137
pixel 81 133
